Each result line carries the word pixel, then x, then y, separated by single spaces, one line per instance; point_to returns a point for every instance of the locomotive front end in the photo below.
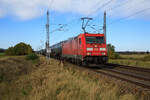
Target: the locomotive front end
pixel 95 49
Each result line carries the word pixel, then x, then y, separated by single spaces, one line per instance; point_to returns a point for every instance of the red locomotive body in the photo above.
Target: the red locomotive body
pixel 85 48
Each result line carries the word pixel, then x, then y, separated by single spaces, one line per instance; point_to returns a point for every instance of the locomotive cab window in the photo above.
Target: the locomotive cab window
pixel 80 41
pixel 91 39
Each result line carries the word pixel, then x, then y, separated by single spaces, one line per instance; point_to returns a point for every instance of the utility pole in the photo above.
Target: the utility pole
pixel 104 30
pixel 85 24
pixel 47 37
pixel 104 27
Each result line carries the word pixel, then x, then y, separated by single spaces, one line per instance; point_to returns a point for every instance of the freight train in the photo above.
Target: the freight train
pixel 83 49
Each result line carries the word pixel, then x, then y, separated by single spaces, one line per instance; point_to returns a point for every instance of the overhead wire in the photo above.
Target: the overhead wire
pixel 123 4
pixel 136 13
pixel 119 5
pixel 107 3
pixel 102 6
pixel 61 26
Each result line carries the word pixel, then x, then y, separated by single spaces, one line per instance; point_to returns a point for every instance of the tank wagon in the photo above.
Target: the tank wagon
pixel 83 49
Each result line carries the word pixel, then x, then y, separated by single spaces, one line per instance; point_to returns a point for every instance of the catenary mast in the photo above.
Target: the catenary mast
pixel 104 27
pixel 47 37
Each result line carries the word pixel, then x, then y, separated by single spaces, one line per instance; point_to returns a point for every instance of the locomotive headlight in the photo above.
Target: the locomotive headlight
pixel 88 53
pixel 102 49
pixel 89 49
pixel 103 53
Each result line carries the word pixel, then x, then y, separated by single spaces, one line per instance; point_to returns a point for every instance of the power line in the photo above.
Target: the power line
pixel 102 6
pixel 94 6
pixel 122 4
pixel 61 26
pixel 136 13
pixel 119 5
pixel 71 22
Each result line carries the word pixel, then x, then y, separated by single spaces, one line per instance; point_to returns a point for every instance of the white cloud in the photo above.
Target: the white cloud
pixel 28 9
pixel 2 13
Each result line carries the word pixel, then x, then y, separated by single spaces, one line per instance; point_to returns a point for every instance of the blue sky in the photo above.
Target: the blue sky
pixel 130 34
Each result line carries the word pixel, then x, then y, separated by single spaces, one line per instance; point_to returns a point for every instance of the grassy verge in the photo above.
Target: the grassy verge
pixel 32 57
pixel 137 60
pixel 136 63
pixel 133 56
pixel 11 69
pixel 51 81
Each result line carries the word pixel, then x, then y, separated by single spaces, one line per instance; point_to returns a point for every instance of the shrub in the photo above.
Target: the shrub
pixel 10 51
pixel 19 49
pixel 111 52
pixel 22 49
pixel 32 56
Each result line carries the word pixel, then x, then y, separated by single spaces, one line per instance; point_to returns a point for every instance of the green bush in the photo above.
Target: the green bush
pixel 19 49
pixel 10 51
pixel 111 52
pixel 22 49
pixel 32 56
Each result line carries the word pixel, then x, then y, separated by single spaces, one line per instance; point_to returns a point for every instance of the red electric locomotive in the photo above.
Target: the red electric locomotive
pixel 85 48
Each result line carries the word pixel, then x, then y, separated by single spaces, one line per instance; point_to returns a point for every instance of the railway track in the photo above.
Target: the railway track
pixel 135 75
pixel 129 67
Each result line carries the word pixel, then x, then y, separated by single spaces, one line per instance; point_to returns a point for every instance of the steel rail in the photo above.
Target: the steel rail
pixel 130 75
pixel 138 79
pixel 124 79
pixel 129 67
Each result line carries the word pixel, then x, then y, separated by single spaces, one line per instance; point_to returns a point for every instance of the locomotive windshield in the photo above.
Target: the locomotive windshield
pixel 91 39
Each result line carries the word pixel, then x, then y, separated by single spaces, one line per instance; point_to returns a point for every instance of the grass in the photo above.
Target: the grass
pixel 51 81
pixel 2 54
pixel 34 58
pixel 137 60
pixel 133 56
pixel 131 63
